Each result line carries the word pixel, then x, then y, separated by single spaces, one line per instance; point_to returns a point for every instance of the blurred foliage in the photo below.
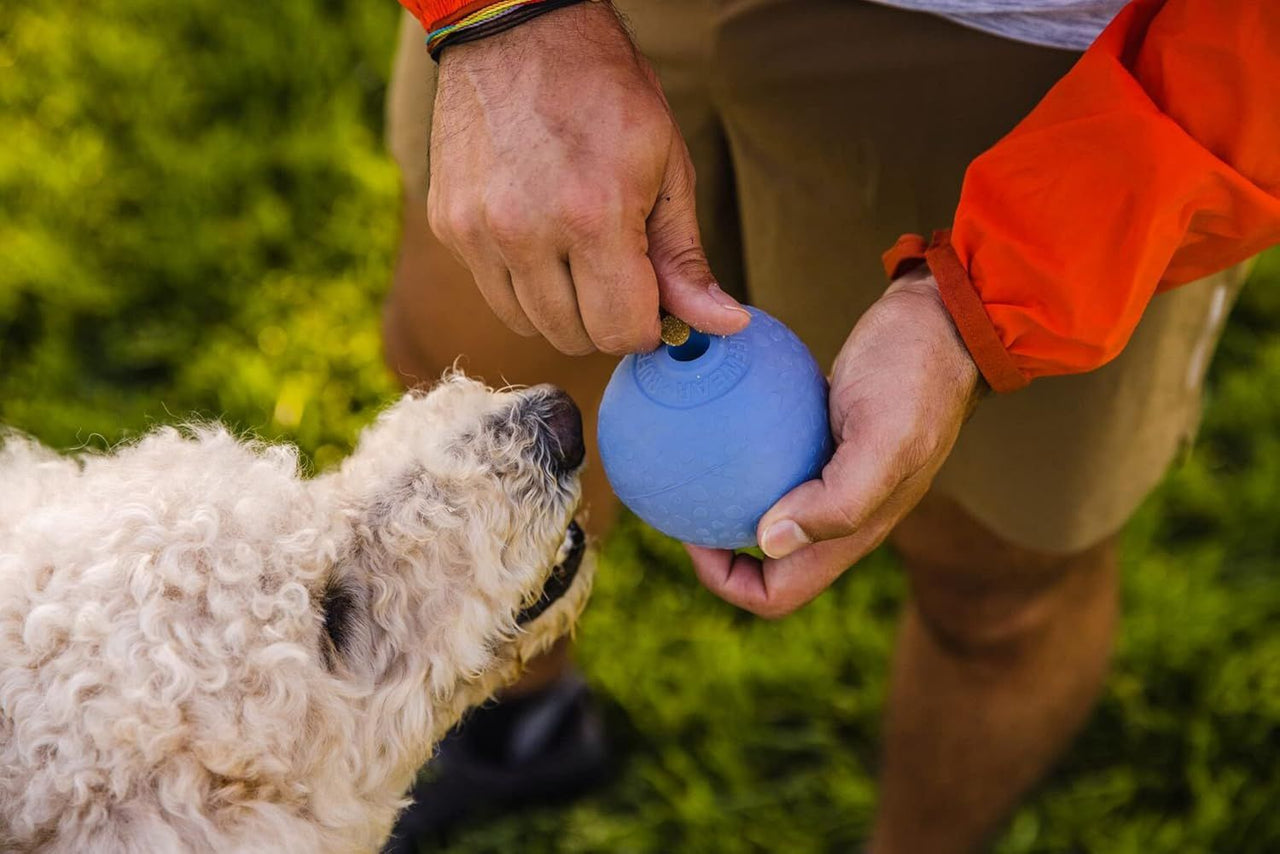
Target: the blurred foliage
pixel 197 216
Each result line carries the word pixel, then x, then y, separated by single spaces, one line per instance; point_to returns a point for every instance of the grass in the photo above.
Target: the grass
pixel 196 215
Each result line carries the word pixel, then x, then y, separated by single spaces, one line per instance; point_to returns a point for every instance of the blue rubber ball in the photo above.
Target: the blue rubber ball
pixel 701 439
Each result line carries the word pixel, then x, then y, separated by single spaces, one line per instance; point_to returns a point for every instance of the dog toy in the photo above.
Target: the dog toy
pixel 700 438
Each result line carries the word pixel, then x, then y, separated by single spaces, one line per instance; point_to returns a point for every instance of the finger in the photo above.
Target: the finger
pixel 494 283
pixel 735 578
pixel 686 285
pixel 526 243
pixel 617 292
pixel 798 578
pixel 853 485
pixel 546 294
pixel 775 588
pixel 459 228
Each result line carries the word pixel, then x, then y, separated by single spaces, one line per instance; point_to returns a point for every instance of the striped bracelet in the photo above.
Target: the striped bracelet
pixel 489 20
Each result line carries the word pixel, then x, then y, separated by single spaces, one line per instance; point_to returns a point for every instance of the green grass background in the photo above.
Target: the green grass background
pixel 197 215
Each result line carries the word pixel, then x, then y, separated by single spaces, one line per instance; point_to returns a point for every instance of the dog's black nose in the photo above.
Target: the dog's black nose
pixel 564 431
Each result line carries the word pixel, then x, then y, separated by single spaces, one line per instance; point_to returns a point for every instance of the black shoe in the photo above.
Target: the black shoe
pixel 545 748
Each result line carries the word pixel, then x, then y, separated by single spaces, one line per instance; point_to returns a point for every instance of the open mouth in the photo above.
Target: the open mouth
pixel 562 574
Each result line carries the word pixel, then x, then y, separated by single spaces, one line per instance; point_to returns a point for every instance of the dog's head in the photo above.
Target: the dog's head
pixel 225 656
pixel 464 558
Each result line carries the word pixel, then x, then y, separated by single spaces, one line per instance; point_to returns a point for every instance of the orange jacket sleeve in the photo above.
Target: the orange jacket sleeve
pixel 1153 162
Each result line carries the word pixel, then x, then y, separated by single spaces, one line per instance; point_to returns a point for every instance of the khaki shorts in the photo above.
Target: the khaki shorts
pixel 823 129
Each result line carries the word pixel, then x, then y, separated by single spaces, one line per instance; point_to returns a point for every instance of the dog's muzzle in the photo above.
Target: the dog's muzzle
pixel 563 434
pixel 562 574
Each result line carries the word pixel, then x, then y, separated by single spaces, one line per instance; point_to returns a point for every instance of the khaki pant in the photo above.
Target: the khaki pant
pixel 823 129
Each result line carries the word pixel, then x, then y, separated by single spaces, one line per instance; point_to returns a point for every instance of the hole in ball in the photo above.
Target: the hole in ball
pixel 693 348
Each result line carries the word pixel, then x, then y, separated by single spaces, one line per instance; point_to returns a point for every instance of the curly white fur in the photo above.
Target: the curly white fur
pixel 167 680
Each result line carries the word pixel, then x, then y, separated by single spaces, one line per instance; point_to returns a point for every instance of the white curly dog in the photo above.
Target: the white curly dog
pixel 201 650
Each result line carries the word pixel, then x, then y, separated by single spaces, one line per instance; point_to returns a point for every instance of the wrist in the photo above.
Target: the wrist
pixel 920 285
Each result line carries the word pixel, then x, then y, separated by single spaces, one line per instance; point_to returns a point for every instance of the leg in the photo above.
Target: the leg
pixel 1012 563
pixel 1001 655
pixel 858 128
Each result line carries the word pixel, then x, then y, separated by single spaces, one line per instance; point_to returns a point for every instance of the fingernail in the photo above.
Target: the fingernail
pixel 782 538
pixel 724 300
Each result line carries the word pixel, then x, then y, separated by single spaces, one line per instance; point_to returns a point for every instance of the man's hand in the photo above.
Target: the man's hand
pixel 560 179
pixel 900 389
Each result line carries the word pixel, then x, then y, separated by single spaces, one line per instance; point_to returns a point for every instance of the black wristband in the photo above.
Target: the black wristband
pixel 498 25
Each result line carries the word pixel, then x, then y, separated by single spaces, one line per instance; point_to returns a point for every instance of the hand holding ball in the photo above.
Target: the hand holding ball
pixel 700 439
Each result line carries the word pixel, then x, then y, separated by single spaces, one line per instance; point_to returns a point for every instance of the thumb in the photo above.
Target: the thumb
pixel 686 287
pixel 853 485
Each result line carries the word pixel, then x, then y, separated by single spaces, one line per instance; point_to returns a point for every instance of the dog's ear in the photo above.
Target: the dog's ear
pixel 382 528
pixel 341 605
pixel 346 641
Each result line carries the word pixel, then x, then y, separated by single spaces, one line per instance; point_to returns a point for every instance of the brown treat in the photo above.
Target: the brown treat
pixel 674 330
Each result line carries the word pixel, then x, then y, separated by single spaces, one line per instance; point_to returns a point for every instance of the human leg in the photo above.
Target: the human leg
pixel 1003 649
pixel 1001 654
pixel 856 129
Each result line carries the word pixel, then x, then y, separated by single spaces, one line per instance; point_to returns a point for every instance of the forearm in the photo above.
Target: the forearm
pixel 1155 161
pixel 559 178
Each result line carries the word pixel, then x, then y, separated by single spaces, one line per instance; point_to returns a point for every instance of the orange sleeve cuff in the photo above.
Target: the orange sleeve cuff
pixel 1155 161
pixel 433 14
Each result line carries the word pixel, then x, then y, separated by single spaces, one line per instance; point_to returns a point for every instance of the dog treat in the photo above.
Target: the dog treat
pixel 674 330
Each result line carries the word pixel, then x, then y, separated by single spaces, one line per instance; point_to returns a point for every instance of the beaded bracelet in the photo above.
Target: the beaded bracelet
pixel 489 20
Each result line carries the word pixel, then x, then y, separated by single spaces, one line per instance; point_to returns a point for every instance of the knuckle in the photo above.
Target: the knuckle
pixel 510 224
pixel 688 174
pixel 915 452
pixel 681 180
pixel 688 259
pixel 454 222
pixel 649 128
pixel 586 224
pixel 585 211
pixel 436 218
pixel 845 517
pixel 465 226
